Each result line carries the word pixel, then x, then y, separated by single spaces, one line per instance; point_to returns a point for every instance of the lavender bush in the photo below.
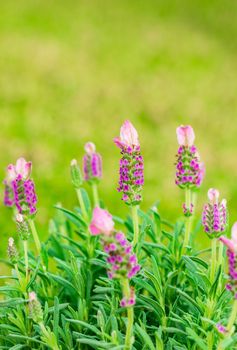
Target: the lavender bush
pixel 104 282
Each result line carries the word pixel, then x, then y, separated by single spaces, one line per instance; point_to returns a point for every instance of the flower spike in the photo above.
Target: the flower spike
pixel 122 262
pixel 214 216
pixel 190 170
pixel 19 188
pixel 131 178
pixel 92 164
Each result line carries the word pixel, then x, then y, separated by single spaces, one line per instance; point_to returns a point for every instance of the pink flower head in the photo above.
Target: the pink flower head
pixel 90 147
pixel 22 168
pixel 231 244
pixel 128 136
pixel 185 135
pixel 213 195
pixel 102 222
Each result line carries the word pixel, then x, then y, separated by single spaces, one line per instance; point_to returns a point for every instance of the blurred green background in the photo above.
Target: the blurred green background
pixel 72 71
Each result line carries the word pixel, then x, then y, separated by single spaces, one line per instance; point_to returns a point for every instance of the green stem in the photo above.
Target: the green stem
pixel 213 260
pixel 220 264
pixel 134 210
pixel 25 244
pixel 220 254
pixel 95 195
pixel 130 315
pixel 35 236
pixel 82 204
pixel 188 219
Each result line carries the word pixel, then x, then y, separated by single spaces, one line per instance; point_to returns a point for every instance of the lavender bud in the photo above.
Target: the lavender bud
pixel 76 174
pixel 12 251
pixel 100 320
pixel 214 215
pixel 92 164
pixel 35 308
pixel 22 227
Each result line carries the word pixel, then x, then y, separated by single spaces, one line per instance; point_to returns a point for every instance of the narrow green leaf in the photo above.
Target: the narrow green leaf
pixel 146 339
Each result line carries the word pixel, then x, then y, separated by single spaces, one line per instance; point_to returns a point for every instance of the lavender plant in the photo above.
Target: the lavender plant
pixel 131 177
pixel 189 172
pixel 84 288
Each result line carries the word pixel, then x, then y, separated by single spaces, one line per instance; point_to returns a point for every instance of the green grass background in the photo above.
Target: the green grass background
pixel 72 71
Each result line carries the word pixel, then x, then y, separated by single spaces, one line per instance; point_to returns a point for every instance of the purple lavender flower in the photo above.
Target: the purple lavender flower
pixel 19 188
pixel 214 216
pixel 92 164
pixel 131 173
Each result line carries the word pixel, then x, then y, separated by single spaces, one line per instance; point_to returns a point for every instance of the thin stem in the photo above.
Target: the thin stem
pixel 95 195
pixel 35 236
pixel 25 244
pixel 220 254
pixel 130 315
pixel 82 204
pixel 188 219
pixel 220 264
pixel 233 316
pixel 213 260
pixel 134 209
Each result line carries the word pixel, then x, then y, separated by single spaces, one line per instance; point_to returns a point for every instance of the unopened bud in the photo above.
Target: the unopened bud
pixel 35 308
pixel 12 251
pixel 22 227
pixel 100 320
pixel 92 164
pixel 114 337
pixel 76 174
